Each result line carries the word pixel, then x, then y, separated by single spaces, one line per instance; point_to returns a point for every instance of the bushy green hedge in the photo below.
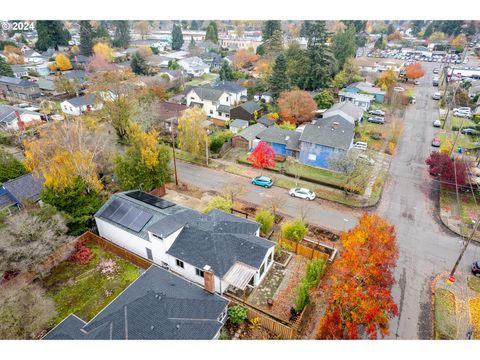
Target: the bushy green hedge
pixel 313 274
pixel 218 139
pixel 294 230
pixel 237 314
pixel 266 219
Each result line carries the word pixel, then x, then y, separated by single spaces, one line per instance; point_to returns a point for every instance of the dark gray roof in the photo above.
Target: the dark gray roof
pixel 208 93
pixel 17 82
pixel 294 141
pixel 26 187
pixel 18 69
pixel 6 199
pixel 334 131
pixel 276 135
pixel 224 108
pixel 345 107
pixel 75 74
pixel 265 121
pixel 157 306
pixel 229 86
pixel 250 106
pixel 83 100
pixel 7 113
pixel 251 132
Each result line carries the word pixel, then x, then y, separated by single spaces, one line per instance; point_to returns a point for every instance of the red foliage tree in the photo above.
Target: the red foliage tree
pixel 414 71
pixel 262 156
pixel 442 165
pixel 296 106
pixel 360 303
pixel 81 254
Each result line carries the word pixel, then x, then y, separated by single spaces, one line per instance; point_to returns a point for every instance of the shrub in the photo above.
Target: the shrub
pixel 294 230
pixel 391 148
pixel 314 272
pixel 220 203
pixel 237 314
pixel 302 296
pixel 255 323
pixel 224 335
pixel 218 139
pixel 266 219
pixel 81 254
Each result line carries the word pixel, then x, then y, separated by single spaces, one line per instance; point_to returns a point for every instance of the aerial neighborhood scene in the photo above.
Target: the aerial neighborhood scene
pixel 239 180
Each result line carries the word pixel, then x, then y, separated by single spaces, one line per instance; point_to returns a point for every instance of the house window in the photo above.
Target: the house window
pixel 262 269
pixel 226 99
pixel 180 264
pixel 199 272
pixel 312 157
pixel 226 115
pixel 211 112
pixel 149 254
pixel 219 113
pixel 192 98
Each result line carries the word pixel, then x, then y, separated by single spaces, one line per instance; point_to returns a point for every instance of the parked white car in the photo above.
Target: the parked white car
pixel 437 96
pixel 462 112
pixel 302 193
pixel 437 123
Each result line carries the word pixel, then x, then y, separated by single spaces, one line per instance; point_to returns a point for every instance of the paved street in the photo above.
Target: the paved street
pixel 409 202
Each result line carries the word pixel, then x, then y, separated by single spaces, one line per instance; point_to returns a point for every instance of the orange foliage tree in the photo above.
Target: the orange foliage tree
pixel 296 106
pixel 414 71
pixel 243 58
pixel 360 302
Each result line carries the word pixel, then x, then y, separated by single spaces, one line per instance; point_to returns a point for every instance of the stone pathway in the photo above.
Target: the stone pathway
pixel 268 288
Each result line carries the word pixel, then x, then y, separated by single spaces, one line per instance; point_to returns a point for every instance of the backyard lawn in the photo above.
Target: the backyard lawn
pixel 83 289
pixel 204 79
pixel 366 130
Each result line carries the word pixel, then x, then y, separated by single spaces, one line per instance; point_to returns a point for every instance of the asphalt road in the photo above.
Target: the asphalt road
pixel 318 213
pixel 409 202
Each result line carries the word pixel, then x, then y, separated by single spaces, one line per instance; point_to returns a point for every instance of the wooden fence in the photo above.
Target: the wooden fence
pixel 306 251
pixel 117 250
pixel 282 328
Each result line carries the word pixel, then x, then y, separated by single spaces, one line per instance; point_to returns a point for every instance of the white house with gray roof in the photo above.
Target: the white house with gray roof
pixel 81 104
pixel 216 250
pixel 361 100
pixel 10 116
pixel 194 66
pixel 217 100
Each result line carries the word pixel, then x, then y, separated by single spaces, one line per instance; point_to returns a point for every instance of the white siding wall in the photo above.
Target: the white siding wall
pixel 69 109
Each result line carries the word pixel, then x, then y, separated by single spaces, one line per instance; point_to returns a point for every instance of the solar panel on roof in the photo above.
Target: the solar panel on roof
pixel 150 199
pixel 126 215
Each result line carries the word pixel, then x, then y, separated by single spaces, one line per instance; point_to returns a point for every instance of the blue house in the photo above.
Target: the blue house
pixel 323 140
pixel 283 141
pixel 366 88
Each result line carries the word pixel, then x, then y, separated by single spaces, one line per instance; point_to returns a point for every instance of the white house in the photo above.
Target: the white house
pixel 79 105
pixel 216 250
pixel 194 66
pixel 361 100
pixel 217 100
pixel 10 116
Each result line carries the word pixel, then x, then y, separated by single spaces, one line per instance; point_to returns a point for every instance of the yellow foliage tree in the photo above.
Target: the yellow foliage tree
pixel 63 153
pixel 387 79
pixel 148 142
pixel 192 137
pixel 75 50
pixel 103 49
pixel 437 36
pixel 62 62
pixel 459 42
pixel 14 55
pixel 446 146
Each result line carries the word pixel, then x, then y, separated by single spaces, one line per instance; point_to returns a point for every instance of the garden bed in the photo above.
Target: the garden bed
pixel 445 315
pixel 85 289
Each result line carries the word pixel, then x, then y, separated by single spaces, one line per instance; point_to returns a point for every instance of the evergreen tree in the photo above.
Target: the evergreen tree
pixel 212 32
pixel 359 25
pixel 304 28
pixel 138 64
pixel 177 37
pixel 319 56
pixel 344 45
pixel 101 34
pixel 417 26
pixel 428 30
pixel 390 29
pixel 274 44
pixel 194 25
pixel 10 167
pixel 51 34
pixel 269 27
pixel 5 69
pixel 260 50
pixel 297 65
pixel 226 72
pixel 122 34
pixel 86 38
pixel 379 43
pixel 279 80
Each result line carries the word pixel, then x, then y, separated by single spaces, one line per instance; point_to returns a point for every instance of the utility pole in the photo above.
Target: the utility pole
pixel 452 273
pixel 173 151
pixel 206 149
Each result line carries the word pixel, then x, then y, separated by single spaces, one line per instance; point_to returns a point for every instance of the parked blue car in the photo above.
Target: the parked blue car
pixel 264 181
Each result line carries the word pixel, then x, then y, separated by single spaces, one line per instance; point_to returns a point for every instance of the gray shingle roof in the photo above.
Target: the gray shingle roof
pixel 208 93
pixel 239 123
pixel 265 121
pixel 157 306
pixel 325 132
pixel 356 96
pixel 364 86
pixel 6 199
pixel 18 82
pixel 251 132
pixel 250 106
pixel 224 108
pixel 26 187
pixel 293 141
pixel 229 86
pixel 83 100
pixel 276 135
pixel 346 107
pixel 7 113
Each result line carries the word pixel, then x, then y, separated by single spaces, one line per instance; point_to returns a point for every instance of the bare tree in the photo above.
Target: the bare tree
pixel 273 204
pixel 232 191
pixel 29 237
pixel 25 312
pixel 355 171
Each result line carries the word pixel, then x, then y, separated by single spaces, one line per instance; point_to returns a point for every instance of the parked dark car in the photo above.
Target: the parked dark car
pixel 469 131
pixel 476 268
pixel 377 112
pixel 376 120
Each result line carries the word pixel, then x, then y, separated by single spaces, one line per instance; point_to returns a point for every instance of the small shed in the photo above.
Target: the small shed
pixel 238 125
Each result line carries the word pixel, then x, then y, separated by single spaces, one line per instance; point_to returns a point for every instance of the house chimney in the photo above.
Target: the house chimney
pixel 209 278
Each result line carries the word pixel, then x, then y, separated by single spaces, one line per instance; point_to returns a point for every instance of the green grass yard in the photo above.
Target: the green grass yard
pixel 204 79
pixel 445 315
pixel 84 290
